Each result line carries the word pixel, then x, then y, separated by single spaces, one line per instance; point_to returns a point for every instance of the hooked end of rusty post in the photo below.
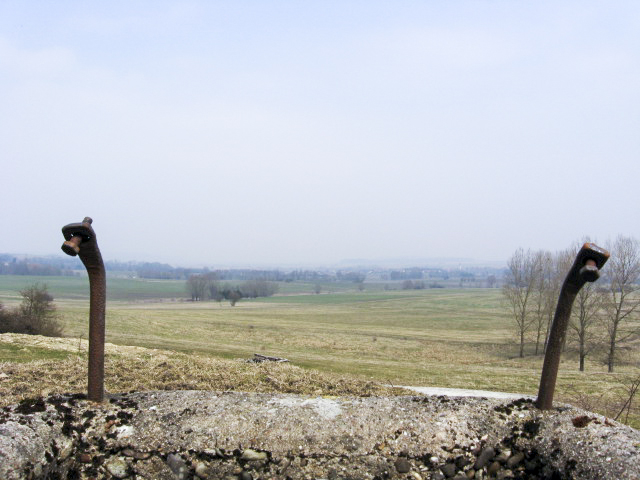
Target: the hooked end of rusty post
pixel 75 234
pixel 585 268
pixel 593 255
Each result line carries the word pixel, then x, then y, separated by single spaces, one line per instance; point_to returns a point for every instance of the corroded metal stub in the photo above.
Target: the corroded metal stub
pixel 80 240
pixel 586 268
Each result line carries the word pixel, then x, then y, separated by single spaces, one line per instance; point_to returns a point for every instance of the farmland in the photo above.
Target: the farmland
pixel 459 338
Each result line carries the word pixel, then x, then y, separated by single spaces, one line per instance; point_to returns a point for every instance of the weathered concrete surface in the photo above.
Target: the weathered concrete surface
pixel 194 434
pixel 464 392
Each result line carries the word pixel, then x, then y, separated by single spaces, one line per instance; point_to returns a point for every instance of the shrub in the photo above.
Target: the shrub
pixel 5 320
pixel 36 315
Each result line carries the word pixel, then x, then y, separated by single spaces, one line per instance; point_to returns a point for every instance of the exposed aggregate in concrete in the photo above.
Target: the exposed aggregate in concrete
pixel 244 436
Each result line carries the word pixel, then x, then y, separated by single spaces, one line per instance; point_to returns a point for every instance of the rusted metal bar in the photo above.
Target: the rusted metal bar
pixel 80 239
pixel 586 268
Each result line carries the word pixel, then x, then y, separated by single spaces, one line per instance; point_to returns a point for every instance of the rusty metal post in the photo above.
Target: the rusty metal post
pixel 586 268
pixel 80 239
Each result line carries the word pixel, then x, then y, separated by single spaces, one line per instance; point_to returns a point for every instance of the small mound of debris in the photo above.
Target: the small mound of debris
pixel 257 358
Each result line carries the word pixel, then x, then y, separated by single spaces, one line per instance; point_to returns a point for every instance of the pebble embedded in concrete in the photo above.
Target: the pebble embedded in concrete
pixel 449 470
pixel 252 455
pixel 402 465
pixel 117 467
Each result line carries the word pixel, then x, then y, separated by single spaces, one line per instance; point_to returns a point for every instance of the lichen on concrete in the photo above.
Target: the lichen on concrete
pixel 198 434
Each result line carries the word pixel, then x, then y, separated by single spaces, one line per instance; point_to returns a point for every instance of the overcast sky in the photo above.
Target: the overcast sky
pixel 246 132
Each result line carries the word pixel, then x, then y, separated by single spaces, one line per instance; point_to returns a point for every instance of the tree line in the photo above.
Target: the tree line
pixel 604 313
pixel 207 286
pixel 13 266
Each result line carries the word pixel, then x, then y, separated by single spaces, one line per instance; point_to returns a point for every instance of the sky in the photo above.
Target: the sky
pixel 304 133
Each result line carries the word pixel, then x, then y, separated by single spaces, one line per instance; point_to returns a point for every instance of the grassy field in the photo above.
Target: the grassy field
pixel 69 288
pixel 135 289
pixel 458 338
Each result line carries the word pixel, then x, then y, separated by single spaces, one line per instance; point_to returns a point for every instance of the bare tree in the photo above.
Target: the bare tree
pixel 622 300
pixel 213 291
pixel 561 264
pixel 523 270
pixel 197 286
pixel 541 298
pixel 234 297
pixel 36 315
pixel 258 288
pixel 583 317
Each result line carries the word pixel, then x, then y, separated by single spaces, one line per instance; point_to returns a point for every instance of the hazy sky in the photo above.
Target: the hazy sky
pixel 240 132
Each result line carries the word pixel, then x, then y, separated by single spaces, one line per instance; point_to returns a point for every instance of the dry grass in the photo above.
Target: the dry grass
pixel 140 369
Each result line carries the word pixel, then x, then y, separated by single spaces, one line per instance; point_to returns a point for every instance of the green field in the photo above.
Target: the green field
pixel 69 288
pixel 135 289
pixel 459 338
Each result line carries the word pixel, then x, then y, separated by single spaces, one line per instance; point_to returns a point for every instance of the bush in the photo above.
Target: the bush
pixel 5 320
pixel 258 288
pixel 36 315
